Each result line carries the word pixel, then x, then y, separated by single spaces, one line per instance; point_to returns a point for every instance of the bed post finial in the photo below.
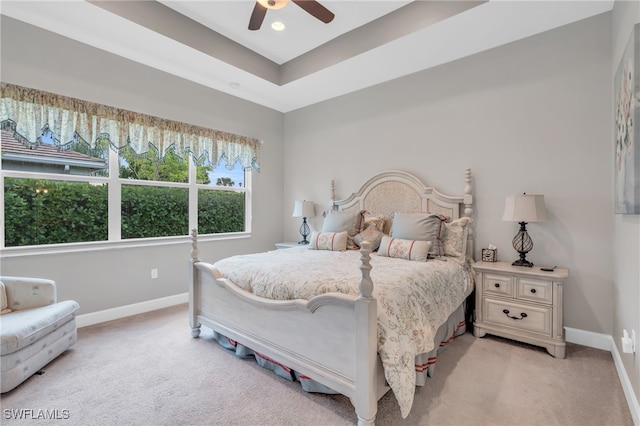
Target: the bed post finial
pixel 366 285
pixel 468 197
pixel 194 245
pixel 333 195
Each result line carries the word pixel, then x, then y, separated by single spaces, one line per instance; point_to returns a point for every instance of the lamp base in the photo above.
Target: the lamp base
pixel 304 231
pixel 523 244
pixel 522 262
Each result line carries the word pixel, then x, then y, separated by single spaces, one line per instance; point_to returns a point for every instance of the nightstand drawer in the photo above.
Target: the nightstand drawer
pixel 536 319
pixel 535 290
pixel 498 284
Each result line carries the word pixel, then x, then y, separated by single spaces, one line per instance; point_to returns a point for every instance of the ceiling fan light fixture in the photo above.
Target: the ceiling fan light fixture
pixel 273 4
pixel 313 7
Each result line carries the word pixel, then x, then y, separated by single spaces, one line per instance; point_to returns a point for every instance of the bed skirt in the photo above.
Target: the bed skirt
pixel 425 363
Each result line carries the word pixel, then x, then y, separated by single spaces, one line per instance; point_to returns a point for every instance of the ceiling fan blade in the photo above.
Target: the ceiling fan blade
pixel 316 9
pixel 257 16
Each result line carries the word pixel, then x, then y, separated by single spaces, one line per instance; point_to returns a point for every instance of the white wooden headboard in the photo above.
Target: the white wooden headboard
pixel 395 191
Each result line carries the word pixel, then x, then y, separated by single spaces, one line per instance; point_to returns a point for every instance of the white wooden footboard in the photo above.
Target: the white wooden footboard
pixel 331 338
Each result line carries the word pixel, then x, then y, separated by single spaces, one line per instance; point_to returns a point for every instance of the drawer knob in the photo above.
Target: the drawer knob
pixel 522 315
pixel 497 285
pixel 533 290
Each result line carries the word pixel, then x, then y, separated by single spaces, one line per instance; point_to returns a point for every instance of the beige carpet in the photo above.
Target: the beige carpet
pixel 147 370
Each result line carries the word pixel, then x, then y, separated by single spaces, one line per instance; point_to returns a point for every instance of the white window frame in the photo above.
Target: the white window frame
pixel 115 183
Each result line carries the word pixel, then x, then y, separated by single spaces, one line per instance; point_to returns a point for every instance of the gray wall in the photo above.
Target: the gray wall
pixel 626 240
pixel 109 278
pixel 533 116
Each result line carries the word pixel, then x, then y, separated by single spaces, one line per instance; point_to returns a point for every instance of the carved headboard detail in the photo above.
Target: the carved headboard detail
pixel 395 191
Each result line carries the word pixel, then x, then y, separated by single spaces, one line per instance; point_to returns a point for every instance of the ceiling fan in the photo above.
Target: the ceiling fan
pixel 311 6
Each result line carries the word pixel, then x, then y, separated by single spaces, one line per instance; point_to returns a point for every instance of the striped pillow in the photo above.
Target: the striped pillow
pixel 334 241
pixel 404 249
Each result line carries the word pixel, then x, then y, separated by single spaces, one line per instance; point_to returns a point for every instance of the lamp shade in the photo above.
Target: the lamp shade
pixel 524 208
pixel 303 209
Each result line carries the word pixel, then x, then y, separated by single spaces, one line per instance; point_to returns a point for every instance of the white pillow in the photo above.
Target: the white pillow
pixel 454 242
pixel 404 249
pixel 420 226
pixel 334 241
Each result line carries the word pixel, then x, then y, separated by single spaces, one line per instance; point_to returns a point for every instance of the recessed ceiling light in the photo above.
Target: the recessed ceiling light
pixel 277 26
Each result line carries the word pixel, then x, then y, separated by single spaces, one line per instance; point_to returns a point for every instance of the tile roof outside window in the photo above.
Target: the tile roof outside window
pixel 46 157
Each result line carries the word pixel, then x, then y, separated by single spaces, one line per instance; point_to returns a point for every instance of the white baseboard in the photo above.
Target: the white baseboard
pixel 588 338
pixel 606 342
pixel 128 310
pixel 632 399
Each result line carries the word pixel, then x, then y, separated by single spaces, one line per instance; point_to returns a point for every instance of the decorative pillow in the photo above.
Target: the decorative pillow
pixel 454 242
pixel 334 241
pixel 370 234
pixel 351 222
pixel 388 224
pixel 420 226
pixel 377 222
pixel 3 300
pixel 404 249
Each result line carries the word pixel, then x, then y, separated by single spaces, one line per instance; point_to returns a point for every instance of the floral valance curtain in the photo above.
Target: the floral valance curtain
pixel 34 114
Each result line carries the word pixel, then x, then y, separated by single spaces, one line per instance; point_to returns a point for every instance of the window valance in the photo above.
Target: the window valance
pixel 34 114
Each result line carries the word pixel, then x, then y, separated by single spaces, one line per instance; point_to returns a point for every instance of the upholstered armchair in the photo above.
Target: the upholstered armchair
pixel 34 327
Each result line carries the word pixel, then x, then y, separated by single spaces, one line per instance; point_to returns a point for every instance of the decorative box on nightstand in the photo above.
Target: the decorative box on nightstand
pixel 520 303
pixel 289 245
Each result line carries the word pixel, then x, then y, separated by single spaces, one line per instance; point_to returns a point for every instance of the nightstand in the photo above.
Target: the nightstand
pixel 289 245
pixel 520 303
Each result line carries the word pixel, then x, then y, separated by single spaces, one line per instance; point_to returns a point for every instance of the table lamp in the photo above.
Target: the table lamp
pixel 523 209
pixel 304 209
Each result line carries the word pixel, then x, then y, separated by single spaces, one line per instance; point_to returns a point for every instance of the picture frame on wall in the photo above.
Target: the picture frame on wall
pixel 627 128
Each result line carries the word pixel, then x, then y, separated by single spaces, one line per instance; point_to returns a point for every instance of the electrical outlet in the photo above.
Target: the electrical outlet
pixel 628 342
pixel 154 273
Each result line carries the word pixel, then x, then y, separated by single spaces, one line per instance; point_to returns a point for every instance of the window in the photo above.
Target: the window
pixel 45 211
pixel 110 181
pixel 154 211
pixel 220 211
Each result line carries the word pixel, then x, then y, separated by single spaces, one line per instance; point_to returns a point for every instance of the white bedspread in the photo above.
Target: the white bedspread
pixel 414 298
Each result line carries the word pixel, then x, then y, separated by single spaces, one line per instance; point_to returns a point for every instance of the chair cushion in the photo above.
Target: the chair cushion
pixel 21 328
pixel 20 365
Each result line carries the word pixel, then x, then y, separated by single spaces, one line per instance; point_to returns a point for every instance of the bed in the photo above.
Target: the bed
pixel 356 321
